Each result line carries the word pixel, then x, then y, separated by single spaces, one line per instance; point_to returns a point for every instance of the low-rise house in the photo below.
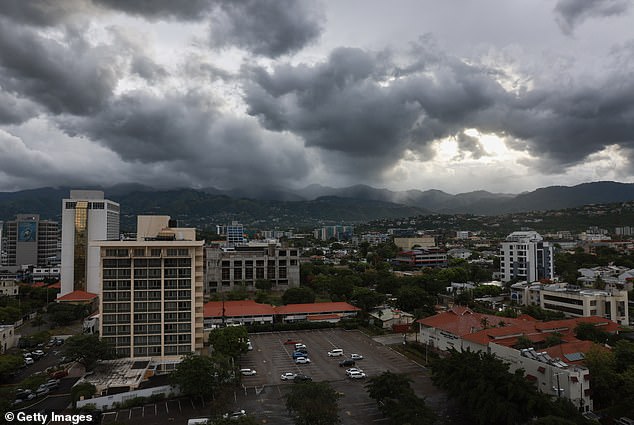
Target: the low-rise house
pixel 8 338
pixel 391 318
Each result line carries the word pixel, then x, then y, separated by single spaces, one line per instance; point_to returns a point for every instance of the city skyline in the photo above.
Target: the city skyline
pixel 456 97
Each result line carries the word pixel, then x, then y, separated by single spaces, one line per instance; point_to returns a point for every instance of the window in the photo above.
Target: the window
pixel 155 252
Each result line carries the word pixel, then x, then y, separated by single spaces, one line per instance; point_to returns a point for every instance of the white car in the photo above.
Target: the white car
pixel 355 356
pixel 357 375
pixel 288 376
pixel 248 372
pixel 353 370
pixel 300 346
pixel 234 415
pixel 302 360
pixel 28 360
pixel 336 352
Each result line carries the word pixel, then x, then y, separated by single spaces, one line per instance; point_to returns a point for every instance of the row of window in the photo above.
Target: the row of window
pixel 141 252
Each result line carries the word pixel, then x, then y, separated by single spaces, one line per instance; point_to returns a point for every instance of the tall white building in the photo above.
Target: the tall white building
pixel 151 298
pixel 86 217
pixel 524 255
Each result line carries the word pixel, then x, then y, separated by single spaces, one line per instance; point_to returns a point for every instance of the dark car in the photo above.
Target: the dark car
pixel 347 363
pixel 302 378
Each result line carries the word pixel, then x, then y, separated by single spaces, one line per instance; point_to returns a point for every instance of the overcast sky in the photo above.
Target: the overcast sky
pixel 458 95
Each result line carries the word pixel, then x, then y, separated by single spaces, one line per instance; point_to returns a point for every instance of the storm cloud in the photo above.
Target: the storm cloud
pixel 265 27
pixel 571 13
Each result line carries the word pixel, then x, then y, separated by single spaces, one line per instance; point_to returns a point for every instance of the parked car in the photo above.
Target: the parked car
pixel 288 376
pixel 42 390
pixel 302 360
pixel 336 352
pixel 347 363
pixel 300 345
pixel 353 370
pixel 302 378
pixel 248 372
pixel 355 356
pixel 39 353
pixel 28 360
pixel 235 415
pixel 297 354
pixel 52 383
pixel 249 345
pixel 60 374
pixel 357 375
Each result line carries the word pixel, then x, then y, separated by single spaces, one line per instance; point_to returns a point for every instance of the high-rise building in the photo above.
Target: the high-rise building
pixel 86 217
pixel 338 232
pixel 2 253
pixel 31 241
pixel 245 264
pixel 151 301
pixel 525 256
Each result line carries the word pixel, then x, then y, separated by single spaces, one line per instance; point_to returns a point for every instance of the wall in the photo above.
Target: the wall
pixel 107 402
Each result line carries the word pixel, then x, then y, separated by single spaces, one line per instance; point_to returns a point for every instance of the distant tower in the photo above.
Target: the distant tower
pixel 235 233
pixel 86 217
pixel 31 241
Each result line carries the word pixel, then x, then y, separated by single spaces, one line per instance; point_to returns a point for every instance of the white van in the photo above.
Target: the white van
pixel 335 352
pixel 199 421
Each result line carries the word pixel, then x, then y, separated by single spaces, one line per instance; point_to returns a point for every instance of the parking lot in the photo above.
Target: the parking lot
pixel 264 393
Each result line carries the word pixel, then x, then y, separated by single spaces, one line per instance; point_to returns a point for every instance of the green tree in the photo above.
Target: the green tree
pixel 263 284
pixel 397 400
pixel 313 403
pixel 623 355
pixel 410 298
pixel 366 299
pixel 200 376
pixel 8 365
pixel 604 380
pixel 83 389
pixel 299 295
pixel 230 341
pixel 87 350
pixel 63 314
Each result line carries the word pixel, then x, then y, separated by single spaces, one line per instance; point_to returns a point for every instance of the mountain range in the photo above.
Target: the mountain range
pixel 314 204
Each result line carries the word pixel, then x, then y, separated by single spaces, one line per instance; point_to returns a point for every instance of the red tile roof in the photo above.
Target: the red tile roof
pixel 238 308
pixel 560 351
pixel 78 296
pixel 315 308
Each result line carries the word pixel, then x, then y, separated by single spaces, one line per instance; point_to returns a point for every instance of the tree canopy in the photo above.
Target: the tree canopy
pixel 230 341
pixel 201 375
pixel 299 295
pixel 313 403
pixel 87 350
pixel 397 401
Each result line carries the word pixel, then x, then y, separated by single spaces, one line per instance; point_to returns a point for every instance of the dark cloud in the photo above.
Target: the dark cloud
pixel 570 13
pixel 265 27
pixel 44 12
pixel 353 104
pixel 188 135
pixel 160 9
pixel 14 110
pixel 147 69
pixel 72 77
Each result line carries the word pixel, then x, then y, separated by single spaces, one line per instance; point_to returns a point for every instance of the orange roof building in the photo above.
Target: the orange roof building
pixel 78 297
pixel 248 311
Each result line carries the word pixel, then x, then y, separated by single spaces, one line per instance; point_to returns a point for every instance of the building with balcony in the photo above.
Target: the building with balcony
pixel 151 297
pixel 430 257
pixel 524 255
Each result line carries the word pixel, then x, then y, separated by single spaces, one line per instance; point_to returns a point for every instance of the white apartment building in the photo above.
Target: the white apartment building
pixel 86 217
pixel 243 265
pixel 524 255
pixel 151 297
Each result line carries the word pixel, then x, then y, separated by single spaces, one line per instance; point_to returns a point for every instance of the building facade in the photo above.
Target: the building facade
pixel 431 257
pixel 31 241
pixel 338 232
pixel 524 255
pixel 151 301
pixel 86 217
pixel 228 268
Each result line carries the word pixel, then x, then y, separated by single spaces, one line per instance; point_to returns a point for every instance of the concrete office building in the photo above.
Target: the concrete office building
pixel 31 241
pixel 524 255
pixel 86 217
pixel 151 298
pixel 229 267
